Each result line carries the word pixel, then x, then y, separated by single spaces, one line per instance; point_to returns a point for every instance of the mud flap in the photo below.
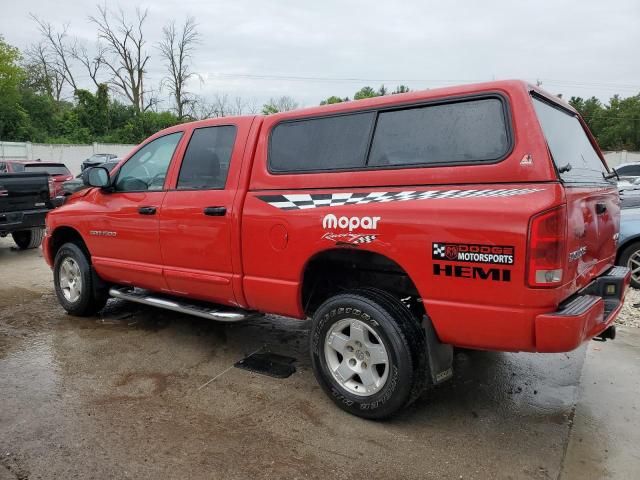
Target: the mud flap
pixel 440 355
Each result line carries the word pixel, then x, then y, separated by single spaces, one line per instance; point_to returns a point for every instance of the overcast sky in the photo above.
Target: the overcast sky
pixel 313 49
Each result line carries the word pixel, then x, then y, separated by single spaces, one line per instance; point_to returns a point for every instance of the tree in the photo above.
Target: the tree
pixel 56 51
pixel 333 99
pixel 401 89
pixel 365 92
pixel 176 48
pixel 280 104
pixel 14 122
pixel 125 55
pixel 41 73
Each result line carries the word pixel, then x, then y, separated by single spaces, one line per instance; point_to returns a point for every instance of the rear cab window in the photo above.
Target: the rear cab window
pixel 48 168
pixel 454 132
pixel 573 154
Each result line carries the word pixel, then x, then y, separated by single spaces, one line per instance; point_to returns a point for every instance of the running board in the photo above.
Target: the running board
pixel 199 309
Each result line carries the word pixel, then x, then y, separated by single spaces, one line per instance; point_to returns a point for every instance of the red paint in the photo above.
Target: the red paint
pixel 255 255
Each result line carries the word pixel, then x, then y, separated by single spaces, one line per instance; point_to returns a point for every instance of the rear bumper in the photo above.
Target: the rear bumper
pixel 584 315
pixel 16 221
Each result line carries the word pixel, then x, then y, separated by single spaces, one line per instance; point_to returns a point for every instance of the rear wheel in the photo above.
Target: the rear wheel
pixel 26 239
pixel 74 283
pixel 630 257
pixel 368 353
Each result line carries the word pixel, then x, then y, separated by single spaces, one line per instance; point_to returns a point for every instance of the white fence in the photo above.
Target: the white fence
pixel 71 155
pixel 616 158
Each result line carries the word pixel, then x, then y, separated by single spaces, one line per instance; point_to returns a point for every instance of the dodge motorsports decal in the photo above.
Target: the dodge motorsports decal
pixel 474 253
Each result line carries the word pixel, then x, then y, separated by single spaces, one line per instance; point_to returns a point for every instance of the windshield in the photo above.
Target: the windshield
pixel 573 154
pixel 50 169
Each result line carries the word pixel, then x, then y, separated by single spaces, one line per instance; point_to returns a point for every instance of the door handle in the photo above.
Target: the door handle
pixel 147 210
pixel 215 211
pixel 601 208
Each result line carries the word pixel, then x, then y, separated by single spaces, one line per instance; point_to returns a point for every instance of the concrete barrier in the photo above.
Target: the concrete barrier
pixel 71 155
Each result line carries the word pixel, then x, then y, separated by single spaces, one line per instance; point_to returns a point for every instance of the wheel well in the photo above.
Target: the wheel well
pixel 334 271
pixel 625 245
pixel 62 235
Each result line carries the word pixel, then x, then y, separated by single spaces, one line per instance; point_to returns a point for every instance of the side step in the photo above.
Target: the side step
pixel 199 309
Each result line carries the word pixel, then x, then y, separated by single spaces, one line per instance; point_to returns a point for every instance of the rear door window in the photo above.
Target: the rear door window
pixel 206 161
pixel 573 154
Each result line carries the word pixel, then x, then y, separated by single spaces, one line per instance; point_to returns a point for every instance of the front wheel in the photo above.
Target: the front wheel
pixel 73 282
pixel 26 239
pixel 368 353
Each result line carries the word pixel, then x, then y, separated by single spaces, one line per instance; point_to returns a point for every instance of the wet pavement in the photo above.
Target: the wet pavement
pixel 125 395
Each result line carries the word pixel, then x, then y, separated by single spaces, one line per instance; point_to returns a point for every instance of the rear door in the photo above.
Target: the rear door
pixel 198 214
pixel 593 205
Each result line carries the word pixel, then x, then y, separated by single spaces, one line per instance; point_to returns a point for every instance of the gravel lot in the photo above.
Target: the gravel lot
pixel 119 396
pixel 630 313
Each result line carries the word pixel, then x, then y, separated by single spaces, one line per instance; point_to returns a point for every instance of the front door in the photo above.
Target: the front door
pixel 197 218
pixel 123 231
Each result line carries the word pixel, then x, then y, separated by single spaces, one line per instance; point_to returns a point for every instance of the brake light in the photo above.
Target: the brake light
pixel 547 240
pixel 52 188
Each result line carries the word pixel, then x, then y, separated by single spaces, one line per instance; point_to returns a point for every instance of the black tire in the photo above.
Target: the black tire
pixel 402 336
pixel 624 258
pixel 26 239
pixel 91 300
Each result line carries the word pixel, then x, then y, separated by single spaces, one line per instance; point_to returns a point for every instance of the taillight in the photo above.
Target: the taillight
pixel 546 249
pixel 52 188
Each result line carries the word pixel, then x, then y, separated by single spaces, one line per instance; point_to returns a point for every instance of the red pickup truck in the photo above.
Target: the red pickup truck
pixel 480 216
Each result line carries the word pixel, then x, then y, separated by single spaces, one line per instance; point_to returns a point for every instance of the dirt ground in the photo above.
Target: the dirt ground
pixel 125 395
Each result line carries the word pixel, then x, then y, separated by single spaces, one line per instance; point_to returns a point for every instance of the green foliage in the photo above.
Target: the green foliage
pixel 28 111
pixel 365 92
pixel 401 89
pixel 333 99
pixel 616 126
pixel 14 121
pixel 269 109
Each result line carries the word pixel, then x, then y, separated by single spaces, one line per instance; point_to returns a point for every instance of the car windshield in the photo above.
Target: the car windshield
pixel 50 169
pixel 99 157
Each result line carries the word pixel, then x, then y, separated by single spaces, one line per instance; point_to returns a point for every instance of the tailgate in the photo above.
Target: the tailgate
pixel 24 191
pixel 593 220
pixel 593 205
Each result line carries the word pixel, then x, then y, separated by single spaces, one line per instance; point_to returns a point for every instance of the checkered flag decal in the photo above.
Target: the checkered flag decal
pixel 364 239
pixel 302 201
pixel 438 250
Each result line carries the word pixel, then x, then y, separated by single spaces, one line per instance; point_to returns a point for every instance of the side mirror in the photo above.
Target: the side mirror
pixel 96 177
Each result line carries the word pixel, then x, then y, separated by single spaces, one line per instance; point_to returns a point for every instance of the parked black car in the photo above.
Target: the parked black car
pixel 25 199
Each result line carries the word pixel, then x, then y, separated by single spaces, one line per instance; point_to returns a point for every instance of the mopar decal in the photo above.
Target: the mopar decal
pixel 475 273
pixel 352 223
pixel 473 253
